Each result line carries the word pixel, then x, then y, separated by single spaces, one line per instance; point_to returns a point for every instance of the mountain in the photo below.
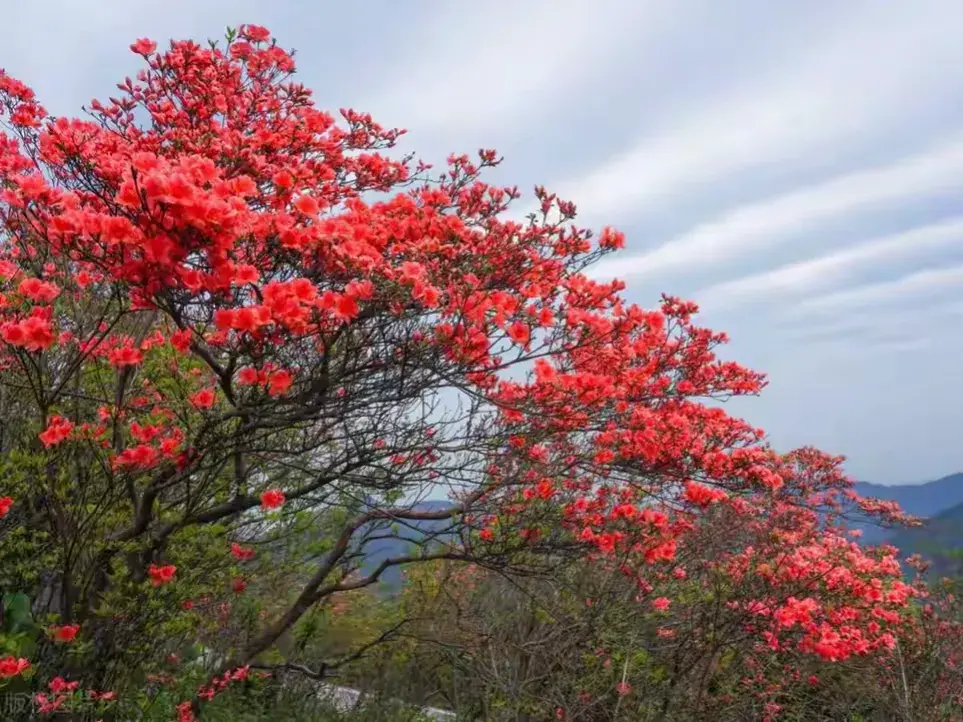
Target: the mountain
pixel 376 550
pixel 926 499
pixel 922 500
pixel 939 504
pixel 940 540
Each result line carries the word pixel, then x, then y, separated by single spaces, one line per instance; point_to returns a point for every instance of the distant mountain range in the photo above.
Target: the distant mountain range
pixel 399 540
pixel 940 504
pixel 926 499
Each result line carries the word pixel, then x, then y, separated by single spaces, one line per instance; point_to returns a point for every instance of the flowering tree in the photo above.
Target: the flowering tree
pixel 240 344
pixel 580 645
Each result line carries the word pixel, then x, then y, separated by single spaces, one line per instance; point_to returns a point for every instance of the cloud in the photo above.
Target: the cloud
pixel 856 324
pixel 919 343
pixel 876 68
pixel 823 271
pixel 481 67
pixel 871 343
pixel 765 223
pixel 922 283
pixel 70 52
pixel 762 133
pixel 874 332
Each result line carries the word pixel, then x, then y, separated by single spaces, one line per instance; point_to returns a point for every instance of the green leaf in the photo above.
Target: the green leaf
pixel 17 612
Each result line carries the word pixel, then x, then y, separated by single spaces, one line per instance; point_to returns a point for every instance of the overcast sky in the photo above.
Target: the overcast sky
pixel 795 166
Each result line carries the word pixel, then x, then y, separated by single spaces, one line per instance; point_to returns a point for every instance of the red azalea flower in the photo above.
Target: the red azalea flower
pixel 12 666
pixel 144 46
pixel 204 399
pixel 161 574
pixel 272 499
pixel 66 633
pixel 241 553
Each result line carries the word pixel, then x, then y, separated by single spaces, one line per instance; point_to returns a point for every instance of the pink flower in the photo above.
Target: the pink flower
pixel 144 46
pixel 661 604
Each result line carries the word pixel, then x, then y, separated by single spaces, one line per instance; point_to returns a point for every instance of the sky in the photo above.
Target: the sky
pixel 796 167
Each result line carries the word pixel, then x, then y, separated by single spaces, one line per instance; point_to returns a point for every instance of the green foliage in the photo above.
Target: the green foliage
pixel 19 631
pixel 26 549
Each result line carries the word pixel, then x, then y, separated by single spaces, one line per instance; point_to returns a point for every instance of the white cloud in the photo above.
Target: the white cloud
pixel 876 67
pixel 70 52
pixel 824 271
pixel 922 283
pixel 919 343
pixel 772 221
pixel 867 321
pixel 482 66
pixel 877 346
pixel 874 345
pixel 876 331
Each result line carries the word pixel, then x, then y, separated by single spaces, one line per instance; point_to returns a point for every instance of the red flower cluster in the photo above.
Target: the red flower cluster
pixel 37 290
pixel 58 429
pixel 185 712
pixel 62 690
pixel 204 399
pixel 65 633
pixel 272 499
pixel 242 553
pixel 12 666
pixel 34 333
pixel 161 574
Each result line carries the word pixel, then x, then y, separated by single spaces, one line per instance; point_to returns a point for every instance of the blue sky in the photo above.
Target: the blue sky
pixel 796 167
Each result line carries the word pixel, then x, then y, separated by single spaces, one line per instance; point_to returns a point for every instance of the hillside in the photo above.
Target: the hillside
pixel 939 503
pixel 927 499
pixel 400 541
pixel 940 540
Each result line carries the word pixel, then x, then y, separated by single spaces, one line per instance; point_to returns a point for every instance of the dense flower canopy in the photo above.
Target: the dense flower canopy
pixel 217 299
